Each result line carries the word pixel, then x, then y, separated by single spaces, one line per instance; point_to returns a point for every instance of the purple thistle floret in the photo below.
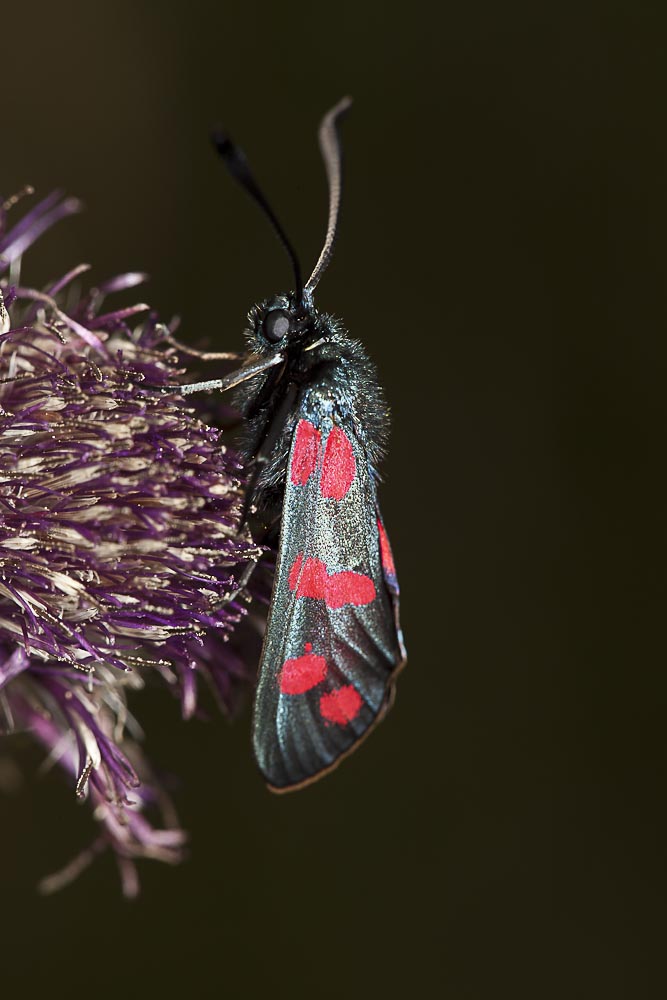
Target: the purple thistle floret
pixel 119 545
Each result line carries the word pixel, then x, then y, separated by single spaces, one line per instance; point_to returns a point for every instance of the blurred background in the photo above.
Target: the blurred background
pixel 503 255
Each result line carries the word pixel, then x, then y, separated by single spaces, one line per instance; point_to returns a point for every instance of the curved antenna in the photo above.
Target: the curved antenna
pixel 332 156
pixel 237 165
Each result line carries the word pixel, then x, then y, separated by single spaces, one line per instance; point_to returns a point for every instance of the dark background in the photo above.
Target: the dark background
pixel 503 254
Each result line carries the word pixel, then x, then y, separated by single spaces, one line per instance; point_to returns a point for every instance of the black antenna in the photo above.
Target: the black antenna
pixel 237 165
pixel 332 156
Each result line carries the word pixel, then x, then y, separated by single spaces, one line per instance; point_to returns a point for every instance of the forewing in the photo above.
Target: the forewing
pixel 332 642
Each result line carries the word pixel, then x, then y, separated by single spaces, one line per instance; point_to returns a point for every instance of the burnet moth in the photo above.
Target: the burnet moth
pixel 315 430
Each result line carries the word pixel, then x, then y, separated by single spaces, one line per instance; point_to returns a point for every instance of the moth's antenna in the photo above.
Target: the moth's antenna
pixel 332 156
pixel 237 165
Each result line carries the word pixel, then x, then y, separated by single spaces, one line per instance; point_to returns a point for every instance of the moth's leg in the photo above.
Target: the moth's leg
pixel 228 382
pixel 243 581
pixel 203 355
pixel 266 537
pixel 266 446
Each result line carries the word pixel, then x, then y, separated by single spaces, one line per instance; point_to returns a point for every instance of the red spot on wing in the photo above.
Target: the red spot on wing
pixel 348 588
pixel 341 705
pixel 302 673
pixel 310 579
pixel 339 465
pixel 385 551
pixel 295 572
pixel 304 454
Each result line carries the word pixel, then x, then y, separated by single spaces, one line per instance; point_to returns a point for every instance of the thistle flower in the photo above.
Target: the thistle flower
pixel 120 556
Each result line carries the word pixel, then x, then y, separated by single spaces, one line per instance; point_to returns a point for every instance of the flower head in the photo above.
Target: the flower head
pixel 120 552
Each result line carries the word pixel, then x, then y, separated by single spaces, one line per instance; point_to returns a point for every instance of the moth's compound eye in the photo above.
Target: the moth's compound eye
pixel 276 325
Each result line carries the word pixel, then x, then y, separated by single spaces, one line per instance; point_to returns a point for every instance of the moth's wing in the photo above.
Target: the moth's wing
pixel 333 643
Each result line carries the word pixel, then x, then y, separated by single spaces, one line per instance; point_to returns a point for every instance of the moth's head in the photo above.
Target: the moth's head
pixel 282 321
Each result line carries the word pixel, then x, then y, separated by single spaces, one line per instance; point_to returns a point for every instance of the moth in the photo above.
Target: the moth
pixel 315 431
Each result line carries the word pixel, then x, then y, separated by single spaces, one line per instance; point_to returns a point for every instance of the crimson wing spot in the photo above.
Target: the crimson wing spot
pixel 339 465
pixel 341 705
pixel 349 588
pixel 310 578
pixel 385 551
pixel 302 673
pixel 307 579
pixel 304 455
